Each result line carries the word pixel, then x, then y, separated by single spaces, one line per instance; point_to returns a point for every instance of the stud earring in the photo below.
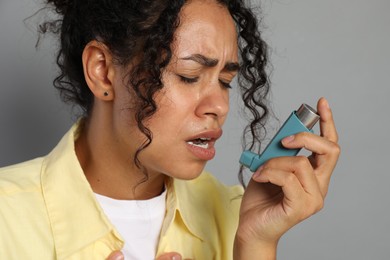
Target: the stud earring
pixel 105 93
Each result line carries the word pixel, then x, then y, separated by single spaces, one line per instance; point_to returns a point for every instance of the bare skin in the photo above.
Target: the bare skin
pixel 287 190
pixel 185 109
pixel 117 255
pixel 281 194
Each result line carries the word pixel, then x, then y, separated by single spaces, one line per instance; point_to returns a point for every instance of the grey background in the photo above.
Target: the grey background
pixel 335 48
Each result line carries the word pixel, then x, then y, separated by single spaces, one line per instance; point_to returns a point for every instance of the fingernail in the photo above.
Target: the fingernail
pixel 288 139
pixel 119 256
pixel 176 257
pixel 327 104
pixel 257 172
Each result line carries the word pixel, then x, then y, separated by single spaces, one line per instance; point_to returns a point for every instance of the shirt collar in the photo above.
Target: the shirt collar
pixel 76 217
pixel 182 203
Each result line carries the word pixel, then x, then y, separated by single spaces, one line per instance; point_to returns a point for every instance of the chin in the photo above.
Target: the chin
pixel 189 173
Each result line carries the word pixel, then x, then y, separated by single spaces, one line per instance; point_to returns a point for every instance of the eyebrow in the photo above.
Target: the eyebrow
pixel 209 62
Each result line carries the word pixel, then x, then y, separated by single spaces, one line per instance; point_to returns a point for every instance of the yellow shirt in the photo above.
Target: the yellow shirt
pixel 49 211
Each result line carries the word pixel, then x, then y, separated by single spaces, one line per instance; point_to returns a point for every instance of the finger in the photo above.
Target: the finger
pixel 327 125
pixel 116 255
pixel 314 143
pixel 170 256
pixel 325 158
pixel 301 167
pixel 288 182
pixel 296 202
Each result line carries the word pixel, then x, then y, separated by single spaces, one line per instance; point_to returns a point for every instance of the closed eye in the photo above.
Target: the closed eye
pixel 188 80
pixel 225 84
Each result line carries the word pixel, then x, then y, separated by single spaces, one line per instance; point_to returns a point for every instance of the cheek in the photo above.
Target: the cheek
pixel 176 103
pixel 172 116
pixel 171 125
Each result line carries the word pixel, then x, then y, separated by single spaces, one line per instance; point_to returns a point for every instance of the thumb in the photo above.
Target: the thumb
pixel 169 256
pixel 116 255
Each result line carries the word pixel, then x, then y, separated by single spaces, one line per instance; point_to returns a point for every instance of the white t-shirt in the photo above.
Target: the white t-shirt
pixel 139 223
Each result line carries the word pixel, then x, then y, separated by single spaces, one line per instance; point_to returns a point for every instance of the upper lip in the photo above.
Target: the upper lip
pixel 213 135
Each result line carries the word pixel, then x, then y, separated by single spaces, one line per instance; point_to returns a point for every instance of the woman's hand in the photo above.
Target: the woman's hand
pixel 118 255
pixel 286 190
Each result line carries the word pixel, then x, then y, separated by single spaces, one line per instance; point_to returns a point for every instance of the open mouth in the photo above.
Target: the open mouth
pixel 200 142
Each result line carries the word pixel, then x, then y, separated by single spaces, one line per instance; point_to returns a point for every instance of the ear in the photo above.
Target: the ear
pixel 99 70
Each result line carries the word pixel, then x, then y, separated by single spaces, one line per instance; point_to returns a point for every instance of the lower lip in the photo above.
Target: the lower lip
pixel 202 153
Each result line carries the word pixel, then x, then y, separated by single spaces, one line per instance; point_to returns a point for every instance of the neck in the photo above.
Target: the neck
pixel 109 170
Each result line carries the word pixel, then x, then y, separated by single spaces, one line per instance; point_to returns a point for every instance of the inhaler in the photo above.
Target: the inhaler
pixel 299 121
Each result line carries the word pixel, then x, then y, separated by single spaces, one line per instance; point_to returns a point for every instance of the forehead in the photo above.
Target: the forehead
pixel 206 27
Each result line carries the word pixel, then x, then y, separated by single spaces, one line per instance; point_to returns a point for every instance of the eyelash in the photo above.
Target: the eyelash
pixel 188 80
pixel 194 80
pixel 225 84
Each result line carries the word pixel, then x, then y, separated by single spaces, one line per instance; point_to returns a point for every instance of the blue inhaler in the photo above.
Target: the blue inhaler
pixel 301 120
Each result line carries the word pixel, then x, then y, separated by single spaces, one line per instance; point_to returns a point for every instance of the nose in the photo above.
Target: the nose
pixel 214 103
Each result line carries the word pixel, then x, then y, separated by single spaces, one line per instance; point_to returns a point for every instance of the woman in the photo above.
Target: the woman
pixel 153 80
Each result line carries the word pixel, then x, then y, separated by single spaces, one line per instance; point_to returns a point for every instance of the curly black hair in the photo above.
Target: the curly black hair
pixel 144 29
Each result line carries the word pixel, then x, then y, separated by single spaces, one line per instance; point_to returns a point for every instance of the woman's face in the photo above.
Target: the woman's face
pixel 193 105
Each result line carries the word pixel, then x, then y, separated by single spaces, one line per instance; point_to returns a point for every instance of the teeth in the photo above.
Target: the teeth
pixel 204 146
pixel 200 142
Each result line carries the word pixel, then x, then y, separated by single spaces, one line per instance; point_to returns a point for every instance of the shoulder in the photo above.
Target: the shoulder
pixel 20 177
pixel 23 213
